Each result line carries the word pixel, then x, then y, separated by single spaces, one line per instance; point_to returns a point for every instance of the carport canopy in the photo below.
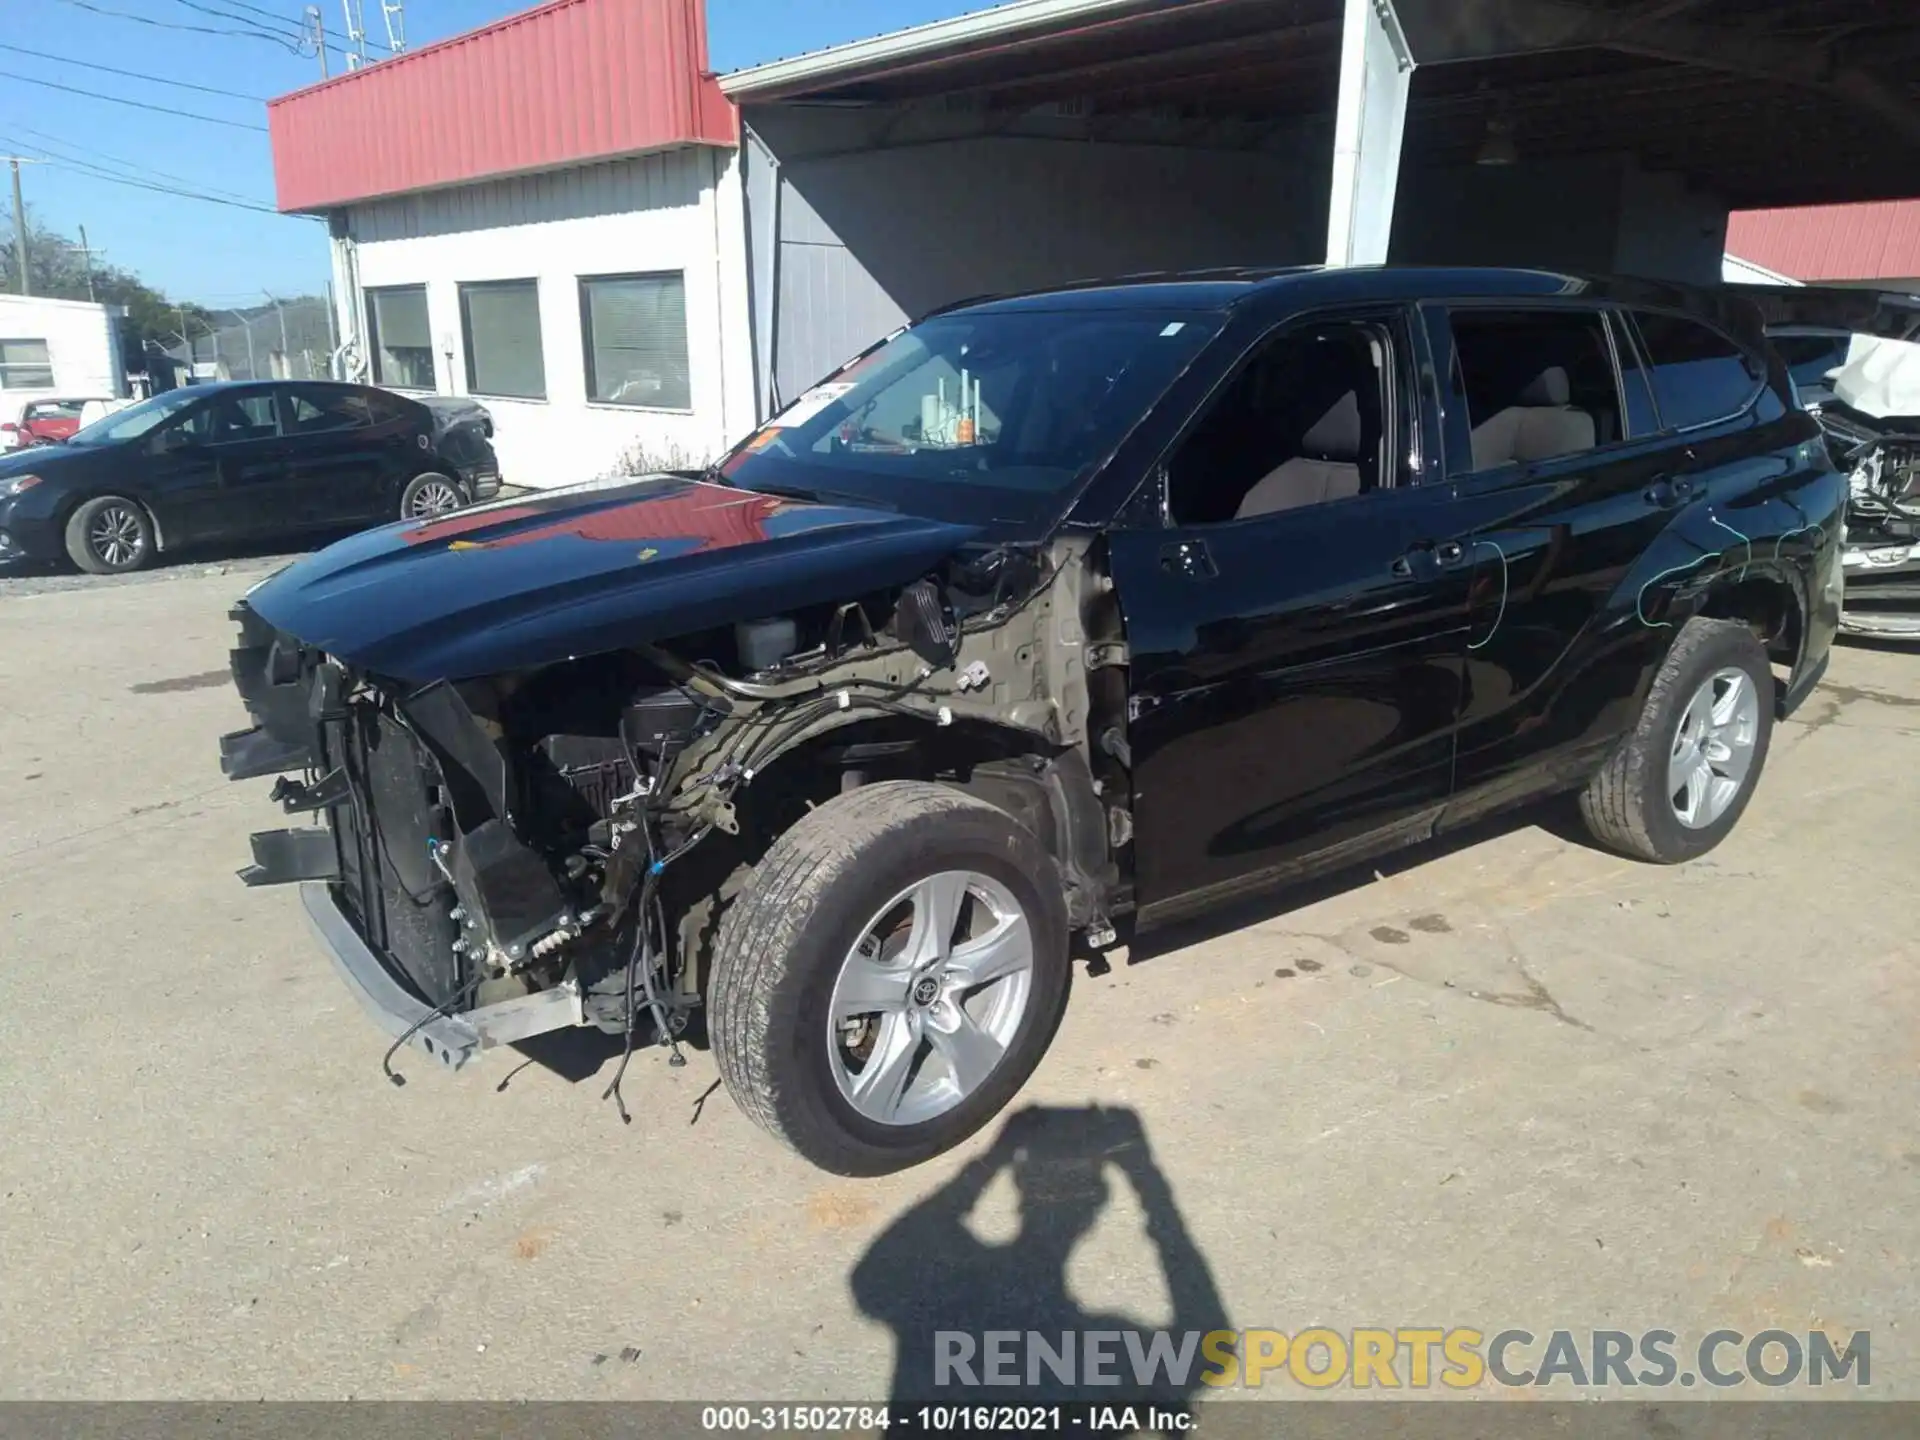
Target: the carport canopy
pixel 1604 135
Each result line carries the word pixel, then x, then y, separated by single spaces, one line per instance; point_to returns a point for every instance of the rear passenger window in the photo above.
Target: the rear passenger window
pixel 1536 384
pixel 318 411
pixel 1699 375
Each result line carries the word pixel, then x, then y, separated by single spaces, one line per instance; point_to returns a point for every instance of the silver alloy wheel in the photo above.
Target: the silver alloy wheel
pixel 1713 748
pixel 114 536
pixel 930 997
pixel 436 497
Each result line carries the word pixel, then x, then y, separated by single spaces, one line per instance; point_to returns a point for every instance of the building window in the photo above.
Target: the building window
pixel 25 365
pixel 502 323
pixel 636 339
pixel 400 338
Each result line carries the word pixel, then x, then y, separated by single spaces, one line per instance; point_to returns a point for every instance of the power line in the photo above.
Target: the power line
pixel 61 149
pixel 136 104
pixel 290 40
pixel 177 25
pixel 276 15
pixel 108 177
pixel 129 74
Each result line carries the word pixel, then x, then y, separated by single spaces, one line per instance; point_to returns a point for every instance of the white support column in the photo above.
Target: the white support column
pixel 1375 70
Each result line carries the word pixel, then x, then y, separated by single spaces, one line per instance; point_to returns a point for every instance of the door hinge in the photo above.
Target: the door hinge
pixel 1104 653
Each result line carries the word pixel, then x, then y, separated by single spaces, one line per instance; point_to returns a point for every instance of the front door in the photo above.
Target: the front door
pixel 221 469
pixel 1295 630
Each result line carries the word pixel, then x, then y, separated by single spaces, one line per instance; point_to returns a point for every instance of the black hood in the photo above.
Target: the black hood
pixel 530 582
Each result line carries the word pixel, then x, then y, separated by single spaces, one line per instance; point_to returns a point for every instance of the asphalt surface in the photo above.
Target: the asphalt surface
pixel 1512 1081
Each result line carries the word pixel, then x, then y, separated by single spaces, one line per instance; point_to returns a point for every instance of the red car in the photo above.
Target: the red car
pixel 41 422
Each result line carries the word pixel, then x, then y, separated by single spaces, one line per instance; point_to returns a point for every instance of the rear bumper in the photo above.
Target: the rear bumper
pixel 452 1039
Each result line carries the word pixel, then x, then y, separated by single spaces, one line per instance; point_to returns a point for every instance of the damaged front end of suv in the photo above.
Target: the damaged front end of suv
pixel 550 843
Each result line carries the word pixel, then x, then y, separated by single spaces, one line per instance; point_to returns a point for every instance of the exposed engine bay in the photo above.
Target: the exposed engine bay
pixel 1871 418
pixel 569 835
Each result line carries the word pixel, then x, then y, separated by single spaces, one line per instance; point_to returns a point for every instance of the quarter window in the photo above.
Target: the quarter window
pixel 25 365
pixel 400 337
pixel 1699 375
pixel 1536 384
pixel 635 327
pixel 501 320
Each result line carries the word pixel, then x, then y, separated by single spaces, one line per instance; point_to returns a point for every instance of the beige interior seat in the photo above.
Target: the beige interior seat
pixel 1326 468
pixel 1540 427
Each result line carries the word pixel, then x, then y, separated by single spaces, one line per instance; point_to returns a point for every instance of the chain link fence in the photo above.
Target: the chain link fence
pixel 291 341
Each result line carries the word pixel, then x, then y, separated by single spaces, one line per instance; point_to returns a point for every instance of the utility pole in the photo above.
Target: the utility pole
pixel 20 256
pixel 86 255
pixel 311 20
pixel 187 337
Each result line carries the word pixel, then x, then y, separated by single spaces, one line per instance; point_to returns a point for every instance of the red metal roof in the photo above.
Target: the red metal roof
pixel 560 84
pixel 1875 241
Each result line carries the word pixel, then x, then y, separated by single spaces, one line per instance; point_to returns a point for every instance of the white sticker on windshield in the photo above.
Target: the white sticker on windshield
pixel 1174 327
pixel 810 405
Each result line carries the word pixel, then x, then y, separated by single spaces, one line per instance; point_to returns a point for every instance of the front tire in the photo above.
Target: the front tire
pixel 110 535
pixel 890 976
pixel 1679 783
pixel 430 495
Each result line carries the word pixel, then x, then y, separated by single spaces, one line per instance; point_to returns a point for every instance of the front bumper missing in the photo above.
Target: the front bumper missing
pixel 453 1040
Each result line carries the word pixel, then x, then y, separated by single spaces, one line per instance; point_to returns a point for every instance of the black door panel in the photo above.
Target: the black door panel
pixel 1295 679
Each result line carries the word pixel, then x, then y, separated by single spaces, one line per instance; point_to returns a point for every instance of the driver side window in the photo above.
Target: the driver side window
pixel 1309 420
pixel 226 419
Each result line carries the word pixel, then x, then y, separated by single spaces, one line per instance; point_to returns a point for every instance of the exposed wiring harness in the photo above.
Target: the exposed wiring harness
pixel 1500 614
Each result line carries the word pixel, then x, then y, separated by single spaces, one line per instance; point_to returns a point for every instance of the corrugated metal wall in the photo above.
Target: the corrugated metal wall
pixel 568 81
pixel 1877 241
pixel 644 183
pixel 871 239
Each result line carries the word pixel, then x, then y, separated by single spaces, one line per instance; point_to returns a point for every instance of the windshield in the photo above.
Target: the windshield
pixel 982 415
pixel 136 420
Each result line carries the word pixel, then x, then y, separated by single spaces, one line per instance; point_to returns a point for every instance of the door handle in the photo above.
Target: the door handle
pixel 1428 557
pixel 1189 558
pixel 1670 490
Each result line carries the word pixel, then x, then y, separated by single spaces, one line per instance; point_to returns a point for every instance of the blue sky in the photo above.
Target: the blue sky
pixel 220 254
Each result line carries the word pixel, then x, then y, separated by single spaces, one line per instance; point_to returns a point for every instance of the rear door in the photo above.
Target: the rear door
pixel 1296 623
pixel 1565 482
pixel 345 451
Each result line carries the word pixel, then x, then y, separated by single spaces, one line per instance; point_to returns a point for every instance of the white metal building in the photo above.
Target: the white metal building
pixel 58 349
pixel 569 249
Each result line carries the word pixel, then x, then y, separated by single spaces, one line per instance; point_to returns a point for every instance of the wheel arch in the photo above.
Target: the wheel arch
pixel 1048 788
pixel 64 515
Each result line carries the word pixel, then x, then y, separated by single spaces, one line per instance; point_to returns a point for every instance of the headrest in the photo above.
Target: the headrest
pixel 1336 434
pixel 1549 387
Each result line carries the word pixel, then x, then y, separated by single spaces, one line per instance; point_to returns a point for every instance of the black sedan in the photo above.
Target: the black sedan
pixel 241 462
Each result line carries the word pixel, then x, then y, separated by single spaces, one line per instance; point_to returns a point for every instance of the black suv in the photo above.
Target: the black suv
pixel 241 462
pixel 1046 615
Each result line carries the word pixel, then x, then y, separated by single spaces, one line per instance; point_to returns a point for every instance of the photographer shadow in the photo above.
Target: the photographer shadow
pixel 933 1281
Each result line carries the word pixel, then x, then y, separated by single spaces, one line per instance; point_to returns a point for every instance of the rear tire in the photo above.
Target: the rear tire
pixel 431 494
pixel 1677 785
pixel 835 905
pixel 110 535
